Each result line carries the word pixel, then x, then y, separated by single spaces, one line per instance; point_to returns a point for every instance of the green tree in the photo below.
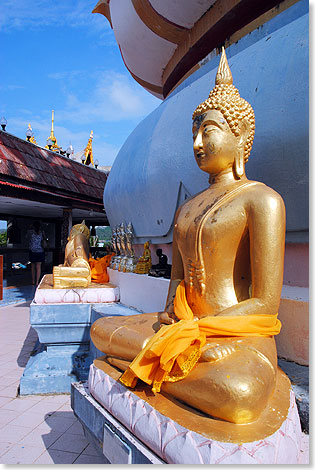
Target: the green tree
pixel 3 238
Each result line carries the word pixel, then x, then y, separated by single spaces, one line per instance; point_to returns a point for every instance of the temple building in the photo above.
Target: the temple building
pixel 172 50
pixel 38 183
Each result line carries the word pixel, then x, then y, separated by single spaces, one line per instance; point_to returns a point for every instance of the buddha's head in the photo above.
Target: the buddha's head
pixel 79 228
pixel 223 126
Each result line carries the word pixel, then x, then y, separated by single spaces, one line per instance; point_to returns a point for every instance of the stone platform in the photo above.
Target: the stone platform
pixel 62 319
pixel 94 293
pixel 161 425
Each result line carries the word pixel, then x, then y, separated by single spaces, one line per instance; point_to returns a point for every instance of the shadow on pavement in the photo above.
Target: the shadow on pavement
pixel 27 348
pixel 63 444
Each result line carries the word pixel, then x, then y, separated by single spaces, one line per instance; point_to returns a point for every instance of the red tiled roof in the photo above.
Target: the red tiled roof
pixel 26 164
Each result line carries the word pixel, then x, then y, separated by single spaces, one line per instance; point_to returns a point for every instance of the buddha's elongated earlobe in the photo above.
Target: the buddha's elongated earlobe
pixel 239 163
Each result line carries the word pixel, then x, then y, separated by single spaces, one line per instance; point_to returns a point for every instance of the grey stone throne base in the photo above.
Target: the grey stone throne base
pixel 64 352
pixel 107 434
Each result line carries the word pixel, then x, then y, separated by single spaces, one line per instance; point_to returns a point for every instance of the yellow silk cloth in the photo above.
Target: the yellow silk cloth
pixel 99 269
pixel 173 351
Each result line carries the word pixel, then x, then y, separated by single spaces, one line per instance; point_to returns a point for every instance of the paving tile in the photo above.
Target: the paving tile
pixel 11 433
pixel 5 380
pixel 90 459
pixel 55 423
pixel 10 392
pixel 5 401
pixel 4 447
pixel 28 419
pixel 31 398
pixel 66 407
pixel 5 368
pixel 18 404
pixel 11 364
pixel 13 373
pixel 70 442
pixel 45 407
pixel 21 455
pixel 76 428
pixel 90 450
pixel 62 399
pixel 56 457
pixel 6 416
pixel 39 438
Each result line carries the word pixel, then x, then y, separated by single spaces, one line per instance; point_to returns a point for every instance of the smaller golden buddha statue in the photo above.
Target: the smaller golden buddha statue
pixel 144 263
pixel 132 260
pixel 123 248
pixel 76 271
pixel 115 247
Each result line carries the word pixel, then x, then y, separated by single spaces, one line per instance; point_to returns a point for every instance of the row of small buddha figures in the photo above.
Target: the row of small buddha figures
pixel 79 268
pixel 125 259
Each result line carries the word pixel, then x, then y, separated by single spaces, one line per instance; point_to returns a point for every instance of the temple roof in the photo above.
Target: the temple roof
pixel 28 171
pixel 162 42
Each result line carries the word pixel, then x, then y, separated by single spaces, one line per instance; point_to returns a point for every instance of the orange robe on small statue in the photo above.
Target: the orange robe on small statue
pixel 99 268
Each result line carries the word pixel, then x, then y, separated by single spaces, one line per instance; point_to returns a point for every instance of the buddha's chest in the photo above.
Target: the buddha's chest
pixel 210 222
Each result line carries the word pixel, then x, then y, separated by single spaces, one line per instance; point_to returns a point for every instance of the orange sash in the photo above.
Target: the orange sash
pixel 173 351
pixel 99 269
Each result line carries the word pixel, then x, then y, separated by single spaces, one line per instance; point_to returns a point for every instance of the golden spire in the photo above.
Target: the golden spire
pixel 32 138
pixel 224 75
pixel 88 152
pixel 52 137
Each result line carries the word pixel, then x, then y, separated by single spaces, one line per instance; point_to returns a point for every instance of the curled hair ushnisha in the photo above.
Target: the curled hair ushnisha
pixel 81 228
pixel 225 98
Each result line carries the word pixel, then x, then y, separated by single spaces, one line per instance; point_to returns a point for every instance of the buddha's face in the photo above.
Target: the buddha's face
pixel 215 145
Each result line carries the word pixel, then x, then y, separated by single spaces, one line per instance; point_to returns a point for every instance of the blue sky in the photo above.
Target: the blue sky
pixel 58 55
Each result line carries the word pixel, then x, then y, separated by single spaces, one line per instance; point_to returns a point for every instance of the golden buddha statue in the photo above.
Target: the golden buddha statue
pixel 144 262
pixel 213 348
pixel 76 271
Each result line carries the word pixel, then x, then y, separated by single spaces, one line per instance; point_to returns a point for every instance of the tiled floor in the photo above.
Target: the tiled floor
pixel 17 289
pixel 34 429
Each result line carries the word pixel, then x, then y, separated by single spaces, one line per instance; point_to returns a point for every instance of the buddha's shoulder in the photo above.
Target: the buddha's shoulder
pixel 259 194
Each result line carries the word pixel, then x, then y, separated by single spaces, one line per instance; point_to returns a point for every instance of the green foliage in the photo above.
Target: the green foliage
pixel 104 234
pixel 3 238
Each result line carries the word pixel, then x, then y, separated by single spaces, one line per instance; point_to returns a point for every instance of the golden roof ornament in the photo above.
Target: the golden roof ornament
pixel 88 152
pixel 54 146
pixel 32 138
pixel 225 98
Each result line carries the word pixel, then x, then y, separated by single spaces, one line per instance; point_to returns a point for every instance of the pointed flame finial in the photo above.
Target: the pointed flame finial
pixel 87 157
pixel 52 137
pixel 52 122
pixel 224 75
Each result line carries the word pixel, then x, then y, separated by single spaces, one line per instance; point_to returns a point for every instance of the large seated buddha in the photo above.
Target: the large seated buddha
pixel 213 347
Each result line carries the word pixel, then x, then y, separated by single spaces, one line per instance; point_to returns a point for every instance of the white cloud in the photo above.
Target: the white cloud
pixel 11 87
pixel 124 96
pixel 35 14
pixel 66 75
pixel 112 97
